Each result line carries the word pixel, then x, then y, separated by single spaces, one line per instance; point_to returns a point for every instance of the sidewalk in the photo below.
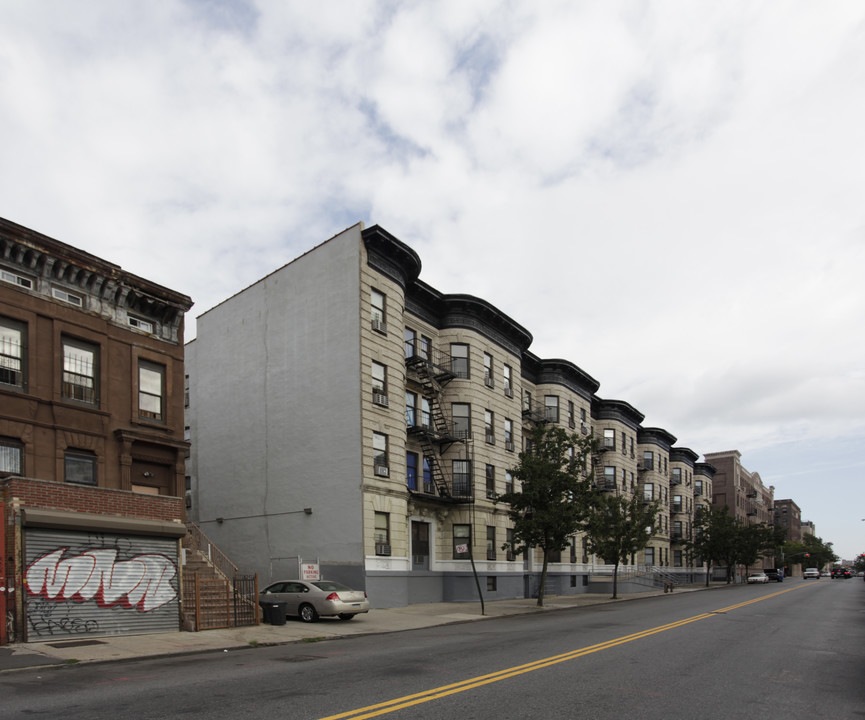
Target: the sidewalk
pixel 71 650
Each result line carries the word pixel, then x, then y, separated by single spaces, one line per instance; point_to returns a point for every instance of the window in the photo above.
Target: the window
pixel 411 470
pixel 462 542
pixel 378 311
pixel 509 482
pixel 609 477
pixel 80 371
pixel 572 418
pixel 551 408
pixel 67 297
pixel 425 348
pixel 509 388
pixel 143 325
pixel 509 541
pixel 491 482
pixel 648 460
pixel 491 583
pixel 12 356
pixel 10 457
pixel 460 360
pixel 509 435
pixel 186 391
pixel 427 477
pixel 461 415
pixel 382 532
pixel 491 542
pixel 610 439
pixel 650 556
pixel 410 409
pixel 462 478
pixel 698 487
pixel 624 444
pixel 488 370
pixel 631 446
pixel 410 343
pixel 79 467
pixel 648 492
pixel 677 558
pixel 379 384
pixel 425 413
pixel 151 385
pixel 489 427
pixel 677 503
pixel 16 279
pixel 379 454
pixel 677 529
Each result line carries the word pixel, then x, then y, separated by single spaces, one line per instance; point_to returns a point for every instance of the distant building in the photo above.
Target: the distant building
pixel 92 447
pixel 742 492
pixel 789 516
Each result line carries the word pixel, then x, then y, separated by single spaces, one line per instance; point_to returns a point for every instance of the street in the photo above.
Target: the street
pixel 788 650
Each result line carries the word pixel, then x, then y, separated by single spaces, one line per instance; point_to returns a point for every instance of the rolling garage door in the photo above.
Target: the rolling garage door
pixel 83 584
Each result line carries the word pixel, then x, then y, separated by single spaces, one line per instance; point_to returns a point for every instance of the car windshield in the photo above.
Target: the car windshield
pixel 330 586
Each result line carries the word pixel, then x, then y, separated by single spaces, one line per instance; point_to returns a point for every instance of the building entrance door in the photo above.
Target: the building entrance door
pixel 419 545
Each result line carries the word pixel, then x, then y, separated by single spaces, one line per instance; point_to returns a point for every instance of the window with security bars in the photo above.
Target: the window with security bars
pixel 11 457
pixel 80 371
pixel 12 356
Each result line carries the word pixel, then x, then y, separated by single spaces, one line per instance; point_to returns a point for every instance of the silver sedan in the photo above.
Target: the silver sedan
pixel 310 600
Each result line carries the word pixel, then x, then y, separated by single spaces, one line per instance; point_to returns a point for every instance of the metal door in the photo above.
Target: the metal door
pixel 90 584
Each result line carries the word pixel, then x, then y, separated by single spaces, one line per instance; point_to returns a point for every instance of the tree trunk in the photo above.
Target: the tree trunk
pixel 708 571
pixel 615 579
pixel 543 582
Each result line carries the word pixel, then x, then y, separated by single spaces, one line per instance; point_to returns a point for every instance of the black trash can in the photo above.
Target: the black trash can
pixel 274 612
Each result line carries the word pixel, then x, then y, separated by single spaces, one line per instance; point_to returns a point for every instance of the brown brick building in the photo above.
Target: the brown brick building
pixel 92 447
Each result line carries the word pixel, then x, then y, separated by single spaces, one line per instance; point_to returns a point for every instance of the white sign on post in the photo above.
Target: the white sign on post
pixel 309 571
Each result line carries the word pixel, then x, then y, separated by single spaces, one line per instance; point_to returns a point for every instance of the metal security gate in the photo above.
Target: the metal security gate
pixel 80 584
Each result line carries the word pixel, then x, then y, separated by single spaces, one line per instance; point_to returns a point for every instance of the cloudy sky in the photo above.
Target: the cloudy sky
pixel 668 194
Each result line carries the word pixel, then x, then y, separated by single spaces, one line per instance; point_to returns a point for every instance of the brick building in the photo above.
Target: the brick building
pixel 92 448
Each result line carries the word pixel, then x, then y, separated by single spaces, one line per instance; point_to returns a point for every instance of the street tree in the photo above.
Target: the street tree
pixel 714 537
pixel 617 527
pixel 551 500
pixel 810 552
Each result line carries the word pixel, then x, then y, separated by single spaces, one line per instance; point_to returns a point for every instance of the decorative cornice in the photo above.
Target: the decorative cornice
pixel 683 455
pixel 655 436
pixel 617 410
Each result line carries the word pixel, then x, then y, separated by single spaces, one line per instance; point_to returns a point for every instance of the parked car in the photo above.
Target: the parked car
pixel 310 600
pixel 841 572
pixel 811 573
pixel 758 578
pixel 774 575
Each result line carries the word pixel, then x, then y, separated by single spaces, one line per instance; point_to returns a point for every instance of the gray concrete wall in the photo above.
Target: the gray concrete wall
pixel 275 408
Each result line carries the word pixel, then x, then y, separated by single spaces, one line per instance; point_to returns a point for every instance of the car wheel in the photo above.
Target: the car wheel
pixel 346 616
pixel 308 613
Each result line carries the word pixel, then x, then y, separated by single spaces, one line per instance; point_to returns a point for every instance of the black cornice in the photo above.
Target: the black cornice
pixel 390 256
pixel 556 371
pixel 655 436
pixel 617 410
pixel 707 469
pixel 683 454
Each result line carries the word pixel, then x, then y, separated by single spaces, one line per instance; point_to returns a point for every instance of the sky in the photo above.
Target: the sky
pixel 668 194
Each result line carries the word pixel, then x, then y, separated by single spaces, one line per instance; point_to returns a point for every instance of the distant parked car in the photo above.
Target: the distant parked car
pixel 811 573
pixel 758 578
pixel 774 575
pixel 311 600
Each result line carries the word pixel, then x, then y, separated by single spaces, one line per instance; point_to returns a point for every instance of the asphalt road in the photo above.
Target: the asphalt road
pixel 790 650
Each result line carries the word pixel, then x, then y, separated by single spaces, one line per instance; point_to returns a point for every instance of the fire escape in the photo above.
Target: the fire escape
pixel 432 370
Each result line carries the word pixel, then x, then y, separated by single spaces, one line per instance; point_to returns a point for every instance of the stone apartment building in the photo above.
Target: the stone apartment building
pixel 92 446
pixel 346 414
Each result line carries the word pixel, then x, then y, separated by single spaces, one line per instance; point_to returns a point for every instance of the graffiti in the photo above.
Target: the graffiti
pixel 143 582
pixel 44 620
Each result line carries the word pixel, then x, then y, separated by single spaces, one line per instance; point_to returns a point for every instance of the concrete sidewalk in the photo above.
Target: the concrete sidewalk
pixel 71 650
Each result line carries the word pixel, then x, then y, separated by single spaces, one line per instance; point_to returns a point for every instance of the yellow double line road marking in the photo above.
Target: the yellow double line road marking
pixel 436 693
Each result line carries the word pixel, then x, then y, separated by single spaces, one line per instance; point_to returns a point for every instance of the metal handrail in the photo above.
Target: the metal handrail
pixel 195 539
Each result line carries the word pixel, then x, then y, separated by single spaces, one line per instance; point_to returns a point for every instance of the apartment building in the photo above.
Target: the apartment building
pixel 788 516
pixel 92 445
pixel 741 491
pixel 346 415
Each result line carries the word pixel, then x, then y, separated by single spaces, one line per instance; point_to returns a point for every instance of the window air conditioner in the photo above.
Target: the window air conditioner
pixel 379 398
pixel 382 549
pixel 379 326
pixel 382 470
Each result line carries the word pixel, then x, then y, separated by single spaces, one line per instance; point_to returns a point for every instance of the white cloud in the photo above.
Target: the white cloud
pixel 668 195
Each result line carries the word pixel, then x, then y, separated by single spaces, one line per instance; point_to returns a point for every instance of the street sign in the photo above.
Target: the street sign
pixel 309 571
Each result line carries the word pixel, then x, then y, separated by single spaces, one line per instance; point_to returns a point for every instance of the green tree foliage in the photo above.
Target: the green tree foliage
pixel 859 563
pixel 553 493
pixel 721 539
pixel 618 527
pixel 811 552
